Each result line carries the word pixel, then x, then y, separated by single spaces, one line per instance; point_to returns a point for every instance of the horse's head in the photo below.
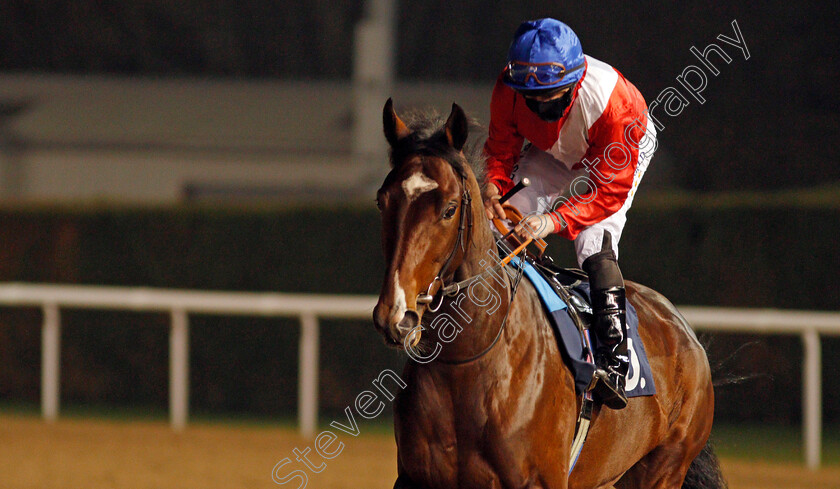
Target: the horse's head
pixel 426 217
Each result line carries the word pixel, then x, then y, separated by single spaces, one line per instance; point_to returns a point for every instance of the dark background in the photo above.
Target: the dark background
pixel 770 121
pixel 770 125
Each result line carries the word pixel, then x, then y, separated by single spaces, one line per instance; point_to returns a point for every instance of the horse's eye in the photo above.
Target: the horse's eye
pixel 450 211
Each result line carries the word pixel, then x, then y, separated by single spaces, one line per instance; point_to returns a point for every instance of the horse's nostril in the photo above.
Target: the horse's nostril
pixel 409 321
pixel 380 317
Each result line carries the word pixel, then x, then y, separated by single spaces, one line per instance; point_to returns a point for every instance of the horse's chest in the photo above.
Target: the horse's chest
pixel 469 438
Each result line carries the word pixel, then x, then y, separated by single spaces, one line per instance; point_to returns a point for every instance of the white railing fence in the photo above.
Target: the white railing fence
pixel 310 307
pixel 179 304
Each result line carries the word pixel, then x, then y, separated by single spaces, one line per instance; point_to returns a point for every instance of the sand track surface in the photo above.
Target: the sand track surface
pixel 100 454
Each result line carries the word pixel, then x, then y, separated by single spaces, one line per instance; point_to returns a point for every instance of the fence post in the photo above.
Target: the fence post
pixel 179 369
pixel 50 362
pixel 308 375
pixel 812 398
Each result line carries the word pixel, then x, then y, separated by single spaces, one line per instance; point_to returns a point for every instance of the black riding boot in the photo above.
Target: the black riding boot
pixel 609 324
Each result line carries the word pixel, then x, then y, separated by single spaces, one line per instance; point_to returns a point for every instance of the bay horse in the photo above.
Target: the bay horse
pixel 497 407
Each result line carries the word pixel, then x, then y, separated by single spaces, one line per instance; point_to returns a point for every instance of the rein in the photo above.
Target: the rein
pixel 514 286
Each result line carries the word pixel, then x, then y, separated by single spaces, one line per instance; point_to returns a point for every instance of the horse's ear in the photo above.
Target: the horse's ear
pixel 457 128
pixel 395 129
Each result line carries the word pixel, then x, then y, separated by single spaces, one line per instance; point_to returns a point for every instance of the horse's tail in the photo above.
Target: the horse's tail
pixel 704 472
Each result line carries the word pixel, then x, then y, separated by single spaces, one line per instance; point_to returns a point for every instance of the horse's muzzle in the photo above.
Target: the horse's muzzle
pixel 394 325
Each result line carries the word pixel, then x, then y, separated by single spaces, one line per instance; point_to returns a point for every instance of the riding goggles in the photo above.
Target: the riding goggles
pixel 543 73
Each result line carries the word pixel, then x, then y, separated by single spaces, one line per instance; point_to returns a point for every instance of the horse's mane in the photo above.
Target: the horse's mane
pixel 428 138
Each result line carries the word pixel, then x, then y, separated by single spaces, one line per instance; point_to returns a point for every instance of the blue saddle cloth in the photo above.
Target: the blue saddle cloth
pixel 639 378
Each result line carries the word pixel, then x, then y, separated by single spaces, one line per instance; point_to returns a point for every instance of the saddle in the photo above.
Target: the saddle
pixel 570 284
pixel 568 280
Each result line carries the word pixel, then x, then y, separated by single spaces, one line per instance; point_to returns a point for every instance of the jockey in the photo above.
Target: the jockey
pixel 590 143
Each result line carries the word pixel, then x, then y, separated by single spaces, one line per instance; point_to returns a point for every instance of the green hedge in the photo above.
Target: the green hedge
pixel 737 255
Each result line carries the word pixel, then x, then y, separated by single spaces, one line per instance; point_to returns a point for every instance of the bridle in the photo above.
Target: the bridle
pixel 464 223
pixel 428 297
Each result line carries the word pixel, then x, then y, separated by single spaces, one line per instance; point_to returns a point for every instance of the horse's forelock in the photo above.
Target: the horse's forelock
pixel 427 138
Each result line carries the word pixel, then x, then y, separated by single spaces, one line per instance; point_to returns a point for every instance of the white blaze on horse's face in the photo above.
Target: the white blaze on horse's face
pixel 399 307
pixel 417 184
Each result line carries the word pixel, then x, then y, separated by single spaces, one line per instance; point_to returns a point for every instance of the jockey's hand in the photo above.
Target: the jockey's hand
pixel 535 226
pixel 492 207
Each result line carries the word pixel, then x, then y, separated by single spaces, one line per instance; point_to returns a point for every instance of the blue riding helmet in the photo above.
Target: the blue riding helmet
pixel 545 54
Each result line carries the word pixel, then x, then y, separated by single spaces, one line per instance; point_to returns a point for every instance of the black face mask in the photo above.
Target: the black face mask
pixel 553 109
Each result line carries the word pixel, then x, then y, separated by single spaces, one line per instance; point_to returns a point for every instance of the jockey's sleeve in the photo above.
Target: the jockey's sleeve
pixel 611 161
pixel 504 143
